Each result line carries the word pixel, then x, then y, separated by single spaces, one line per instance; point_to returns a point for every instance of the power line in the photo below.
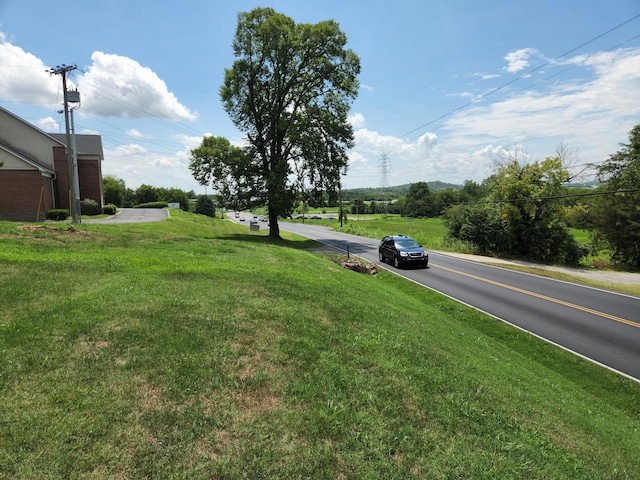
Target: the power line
pixel 524 75
pixel 550 197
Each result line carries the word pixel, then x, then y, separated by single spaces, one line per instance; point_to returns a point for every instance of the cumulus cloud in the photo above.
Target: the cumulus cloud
pixel 48 124
pixel 113 86
pixel 519 59
pixel 356 120
pixel 136 165
pixel 117 86
pixel 24 77
pixel 406 156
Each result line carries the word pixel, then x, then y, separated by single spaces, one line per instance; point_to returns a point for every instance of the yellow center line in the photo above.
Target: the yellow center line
pixel 543 297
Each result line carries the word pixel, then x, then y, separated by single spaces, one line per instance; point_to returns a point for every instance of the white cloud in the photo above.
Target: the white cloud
pixel 519 59
pixel 136 165
pixel 117 86
pixel 592 112
pixel 486 76
pixel 48 124
pixel 356 120
pixel 134 133
pixel 409 161
pixel 24 77
pixel 114 86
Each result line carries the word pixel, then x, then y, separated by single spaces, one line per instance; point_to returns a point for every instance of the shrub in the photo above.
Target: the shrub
pixel 153 205
pixel 58 214
pixel 89 207
pixel 109 209
pixel 205 206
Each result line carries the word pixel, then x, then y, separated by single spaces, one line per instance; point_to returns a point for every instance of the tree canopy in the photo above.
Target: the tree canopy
pixel 229 171
pixel 290 90
pixel 520 216
pixel 618 215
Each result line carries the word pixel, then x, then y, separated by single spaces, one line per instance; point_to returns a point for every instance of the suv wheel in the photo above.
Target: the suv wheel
pixel 381 257
pixel 396 262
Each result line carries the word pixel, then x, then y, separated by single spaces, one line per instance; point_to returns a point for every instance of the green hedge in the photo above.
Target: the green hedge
pixel 109 209
pixel 153 205
pixel 89 207
pixel 58 214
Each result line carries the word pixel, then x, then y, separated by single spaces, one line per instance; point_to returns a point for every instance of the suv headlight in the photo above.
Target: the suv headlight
pixel 404 254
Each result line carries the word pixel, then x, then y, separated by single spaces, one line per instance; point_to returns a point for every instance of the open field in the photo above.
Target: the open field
pixel 193 348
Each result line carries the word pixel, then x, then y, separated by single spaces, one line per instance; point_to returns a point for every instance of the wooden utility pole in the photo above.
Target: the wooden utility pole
pixel 74 209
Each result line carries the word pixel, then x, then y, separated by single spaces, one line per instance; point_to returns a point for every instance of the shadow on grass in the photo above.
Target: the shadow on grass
pixel 299 244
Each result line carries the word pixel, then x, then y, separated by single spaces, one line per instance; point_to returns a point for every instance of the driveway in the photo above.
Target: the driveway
pixel 135 215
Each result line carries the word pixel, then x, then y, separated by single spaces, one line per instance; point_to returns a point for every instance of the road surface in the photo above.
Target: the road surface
pixel 598 325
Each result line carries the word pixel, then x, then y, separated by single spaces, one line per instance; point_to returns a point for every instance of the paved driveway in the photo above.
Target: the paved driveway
pixel 135 215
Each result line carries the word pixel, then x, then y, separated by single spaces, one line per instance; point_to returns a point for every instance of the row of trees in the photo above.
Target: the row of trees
pixel 527 210
pixel 289 92
pixel 117 193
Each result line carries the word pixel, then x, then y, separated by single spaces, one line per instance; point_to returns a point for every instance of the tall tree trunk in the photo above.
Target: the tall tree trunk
pixel 274 228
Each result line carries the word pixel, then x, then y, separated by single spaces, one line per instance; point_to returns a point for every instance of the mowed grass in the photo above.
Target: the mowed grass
pixel 430 232
pixel 194 349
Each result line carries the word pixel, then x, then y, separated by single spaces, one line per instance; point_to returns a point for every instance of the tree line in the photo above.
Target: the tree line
pixel 527 209
pixel 116 193
pixel 289 91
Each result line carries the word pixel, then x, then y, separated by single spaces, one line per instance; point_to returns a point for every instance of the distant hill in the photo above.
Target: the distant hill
pixel 377 193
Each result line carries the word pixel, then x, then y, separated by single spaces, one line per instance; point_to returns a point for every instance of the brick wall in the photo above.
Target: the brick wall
pixel 62 177
pixel 25 195
pixel 90 178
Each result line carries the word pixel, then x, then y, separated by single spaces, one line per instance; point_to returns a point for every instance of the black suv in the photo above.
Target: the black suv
pixel 402 250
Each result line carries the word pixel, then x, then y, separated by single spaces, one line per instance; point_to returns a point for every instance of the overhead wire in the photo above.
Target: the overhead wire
pixel 521 76
pixel 527 74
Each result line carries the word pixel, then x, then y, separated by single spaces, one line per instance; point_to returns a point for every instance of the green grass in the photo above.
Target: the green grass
pixel 428 231
pixel 192 348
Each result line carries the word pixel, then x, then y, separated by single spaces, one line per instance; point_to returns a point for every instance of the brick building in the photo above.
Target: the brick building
pixel 34 176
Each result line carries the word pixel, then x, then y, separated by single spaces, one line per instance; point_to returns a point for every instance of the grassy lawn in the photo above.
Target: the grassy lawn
pixel 428 231
pixel 194 349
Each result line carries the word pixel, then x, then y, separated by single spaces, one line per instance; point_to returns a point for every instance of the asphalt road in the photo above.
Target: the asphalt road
pixel 134 215
pixel 601 326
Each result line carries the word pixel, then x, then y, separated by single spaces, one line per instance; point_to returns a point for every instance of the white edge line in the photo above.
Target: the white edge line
pixel 611 369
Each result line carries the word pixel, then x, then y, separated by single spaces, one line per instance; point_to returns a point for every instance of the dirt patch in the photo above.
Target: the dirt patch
pixel 47 228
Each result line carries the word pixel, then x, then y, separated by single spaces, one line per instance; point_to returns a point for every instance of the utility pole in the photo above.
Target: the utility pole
pixel 73 205
pixel 76 177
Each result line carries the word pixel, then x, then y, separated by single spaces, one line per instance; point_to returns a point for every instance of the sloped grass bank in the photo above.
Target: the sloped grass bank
pixel 194 349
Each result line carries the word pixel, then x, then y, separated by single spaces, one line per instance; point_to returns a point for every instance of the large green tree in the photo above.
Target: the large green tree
pixel 114 190
pixel 418 202
pixel 618 215
pixel 230 172
pixel 521 215
pixel 290 90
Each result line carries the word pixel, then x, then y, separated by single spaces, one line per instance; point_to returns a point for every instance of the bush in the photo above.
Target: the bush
pixel 153 205
pixel 89 207
pixel 205 206
pixel 58 214
pixel 109 209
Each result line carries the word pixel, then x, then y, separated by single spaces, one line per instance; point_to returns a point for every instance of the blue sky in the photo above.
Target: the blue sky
pixel 448 88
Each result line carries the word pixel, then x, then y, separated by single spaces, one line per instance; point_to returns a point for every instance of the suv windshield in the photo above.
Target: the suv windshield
pixel 407 243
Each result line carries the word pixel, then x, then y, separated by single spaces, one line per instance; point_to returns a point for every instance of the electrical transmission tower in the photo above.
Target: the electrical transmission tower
pixel 384 177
